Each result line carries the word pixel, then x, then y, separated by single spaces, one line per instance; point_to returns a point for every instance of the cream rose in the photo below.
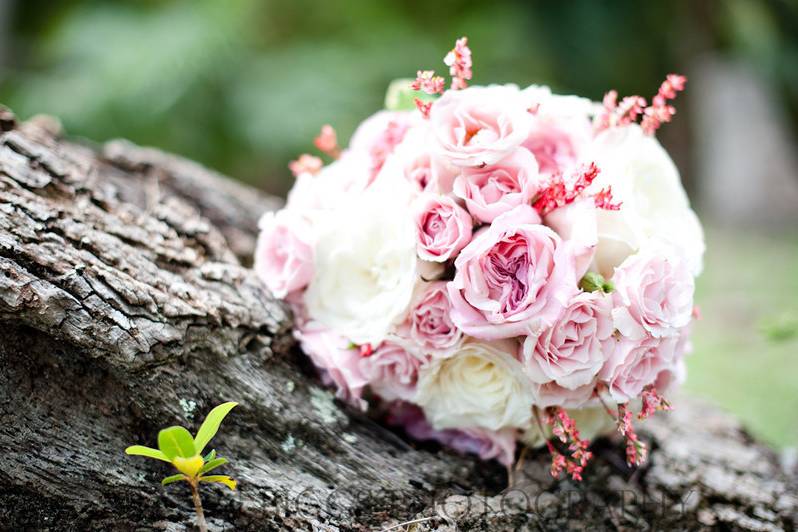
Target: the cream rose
pixel 654 203
pixel 365 267
pixel 483 385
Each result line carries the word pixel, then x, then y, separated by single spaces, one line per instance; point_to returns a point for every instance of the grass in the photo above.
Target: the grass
pixel 746 344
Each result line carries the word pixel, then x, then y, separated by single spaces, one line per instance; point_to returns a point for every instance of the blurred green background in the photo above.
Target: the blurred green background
pixel 244 85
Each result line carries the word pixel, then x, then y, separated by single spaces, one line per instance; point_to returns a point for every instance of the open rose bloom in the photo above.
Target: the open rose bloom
pixel 492 265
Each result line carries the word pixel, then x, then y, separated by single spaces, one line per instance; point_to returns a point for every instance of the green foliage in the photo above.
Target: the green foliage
pixel 184 452
pixel 176 441
pixel 174 478
pixel 781 327
pixel 244 86
pixel 211 425
pixel 593 282
pixel 178 447
pixel 401 97
pixel 149 452
pixel 734 364
pixel 212 464
pixel 220 479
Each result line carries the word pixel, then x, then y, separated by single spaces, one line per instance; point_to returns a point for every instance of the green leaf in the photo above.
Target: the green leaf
pixel 594 282
pixel 176 441
pixel 211 425
pixel 149 452
pixel 780 328
pixel 172 479
pixel 221 479
pixel 210 456
pixel 212 464
pixel 400 97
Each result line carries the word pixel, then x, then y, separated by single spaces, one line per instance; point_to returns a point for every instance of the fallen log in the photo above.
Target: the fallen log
pixel 126 305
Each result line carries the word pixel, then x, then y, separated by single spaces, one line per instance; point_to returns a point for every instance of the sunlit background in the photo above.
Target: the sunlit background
pixel 243 86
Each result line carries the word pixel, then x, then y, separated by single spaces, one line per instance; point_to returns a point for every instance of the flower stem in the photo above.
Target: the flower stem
pixel 613 414
pixel 536 415
pixel 203 527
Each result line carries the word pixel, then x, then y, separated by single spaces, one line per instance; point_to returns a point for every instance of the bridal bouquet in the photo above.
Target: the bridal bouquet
pixel 494 264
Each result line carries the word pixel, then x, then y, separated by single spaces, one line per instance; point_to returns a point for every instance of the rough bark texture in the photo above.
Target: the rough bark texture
pixel 124 307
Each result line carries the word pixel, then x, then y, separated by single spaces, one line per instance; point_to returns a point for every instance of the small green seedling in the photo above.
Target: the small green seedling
pixel 176 446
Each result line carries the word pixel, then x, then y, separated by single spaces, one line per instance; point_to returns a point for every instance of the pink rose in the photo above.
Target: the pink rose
pixel 676 374
pixel 372 131
pixel 414 160
pixel 571 352
pixel 418 170
pixel 653 294
pixel 379 135
pixel 557 143
pixel 669 379
pixel 443 228
pixel 428 173
pixel 552 394
pixel 284 253
pixel 429 324
pixel 498 188
pixel 487 444
pixel 479 125
pixel 552 147
pixel 391 372
pixel 634 364
pixel 336 358
pixel 560 129
pixel 513 279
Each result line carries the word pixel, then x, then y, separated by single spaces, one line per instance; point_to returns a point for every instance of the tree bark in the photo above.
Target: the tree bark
pixel 126 306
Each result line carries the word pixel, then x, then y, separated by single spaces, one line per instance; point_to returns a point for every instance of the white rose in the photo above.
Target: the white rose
pixel 654 203
pixel 365 266
pixel 540 99
pixel 483 385
pixel 315 196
